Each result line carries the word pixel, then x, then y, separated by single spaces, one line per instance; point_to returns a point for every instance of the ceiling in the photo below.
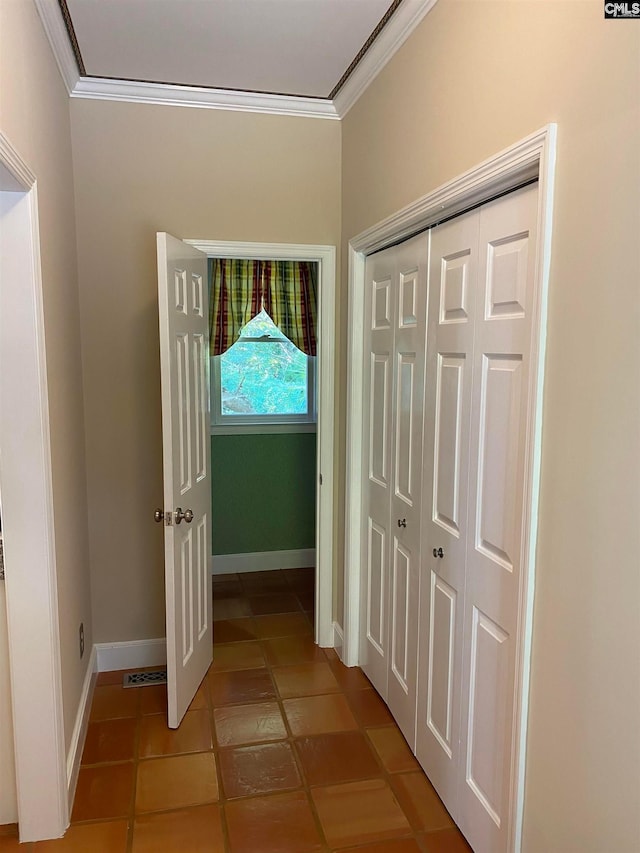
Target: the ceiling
pixel 284 47
pixel 300 57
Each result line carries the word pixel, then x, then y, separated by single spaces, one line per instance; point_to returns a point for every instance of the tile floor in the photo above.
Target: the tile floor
pixel 283 750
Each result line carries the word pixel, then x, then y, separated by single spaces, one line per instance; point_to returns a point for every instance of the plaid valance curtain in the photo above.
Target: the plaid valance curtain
pixel 240 289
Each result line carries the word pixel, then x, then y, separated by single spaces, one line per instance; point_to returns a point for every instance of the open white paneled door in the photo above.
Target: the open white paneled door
pixel 396 281
pixel 184 359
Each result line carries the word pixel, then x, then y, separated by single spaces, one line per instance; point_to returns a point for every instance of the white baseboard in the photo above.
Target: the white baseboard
pixel 80 728
pixel 104 658
pixel 131 655
pixel 263 561
pixel 338 639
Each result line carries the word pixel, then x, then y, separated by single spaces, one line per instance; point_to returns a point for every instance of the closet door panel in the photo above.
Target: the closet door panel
pixel 379 419
pixel 451 379
pixel 450 338
pixel 406 516
pixel 440 674
pixel 495 546
pixel 405 464
pixel 498 498
pixel 487 729
pixel 376 586
pixel 401 653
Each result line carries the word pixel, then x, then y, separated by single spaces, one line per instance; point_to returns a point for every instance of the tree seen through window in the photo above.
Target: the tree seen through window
pixel 263 373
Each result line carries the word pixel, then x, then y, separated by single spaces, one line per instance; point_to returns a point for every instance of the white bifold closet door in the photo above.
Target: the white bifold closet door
pixel 481 281
pixel 453 269
pixel 396 282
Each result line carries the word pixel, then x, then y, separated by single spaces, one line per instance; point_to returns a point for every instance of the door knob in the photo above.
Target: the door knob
pixel 158 515
pixel 187 515
pixel 438 552
pixel 402 522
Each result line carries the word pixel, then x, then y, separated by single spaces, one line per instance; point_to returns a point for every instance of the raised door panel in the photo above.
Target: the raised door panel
pixel 379 416
pixel 440 665
pixel 452 301
pixel 406 471
pixel 498 486
pixel 377 558
pixel 401 605
pixel 497 511
pixel 203 591
pixel 448 491
pixel 187 573
pixel 183 435
pixel 487 728
pixel 376 602
pixel 200 357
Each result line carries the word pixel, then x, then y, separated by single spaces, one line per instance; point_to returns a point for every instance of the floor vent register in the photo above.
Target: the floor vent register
pixel 143 679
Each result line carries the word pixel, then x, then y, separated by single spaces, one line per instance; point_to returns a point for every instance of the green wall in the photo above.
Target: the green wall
pixel 263 492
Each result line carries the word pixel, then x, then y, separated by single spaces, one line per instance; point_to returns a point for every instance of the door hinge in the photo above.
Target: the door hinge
pixel 1 558
pixel 320 479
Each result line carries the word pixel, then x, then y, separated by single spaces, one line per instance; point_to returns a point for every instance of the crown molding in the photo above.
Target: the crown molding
pixel 202 97
pixel 56 31
pixel 402 23
pixel 393 35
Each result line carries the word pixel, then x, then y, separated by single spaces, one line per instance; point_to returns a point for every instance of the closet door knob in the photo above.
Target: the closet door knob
pixel 438 552
pixel 402 522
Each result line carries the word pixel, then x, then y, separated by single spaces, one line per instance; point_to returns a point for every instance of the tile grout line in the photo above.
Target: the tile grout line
pixel 134 787
pixel 303 777
pixel 344 691
pixel 226 837
pixel 290 740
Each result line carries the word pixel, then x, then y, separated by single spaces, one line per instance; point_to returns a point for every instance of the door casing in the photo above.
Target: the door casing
pixel 325 257
pixel 44 782
pixel 531 158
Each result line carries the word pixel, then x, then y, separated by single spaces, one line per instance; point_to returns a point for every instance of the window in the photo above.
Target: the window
pixel 263 379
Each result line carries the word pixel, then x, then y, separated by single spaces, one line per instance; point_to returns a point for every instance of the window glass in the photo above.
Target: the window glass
pixel 263 377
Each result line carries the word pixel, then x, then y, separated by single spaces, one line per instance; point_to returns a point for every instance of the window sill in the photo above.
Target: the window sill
pixel 261 429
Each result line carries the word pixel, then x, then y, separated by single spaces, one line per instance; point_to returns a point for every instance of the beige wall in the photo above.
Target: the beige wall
pixel 34 115
pixel 473 79
pixel 197 174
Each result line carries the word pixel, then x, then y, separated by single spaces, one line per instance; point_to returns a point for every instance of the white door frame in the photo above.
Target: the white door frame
pixel 325 257
pixel 28 521
pixel 531 158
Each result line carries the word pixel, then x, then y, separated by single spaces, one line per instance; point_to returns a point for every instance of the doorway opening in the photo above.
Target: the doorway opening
pixel 250 444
